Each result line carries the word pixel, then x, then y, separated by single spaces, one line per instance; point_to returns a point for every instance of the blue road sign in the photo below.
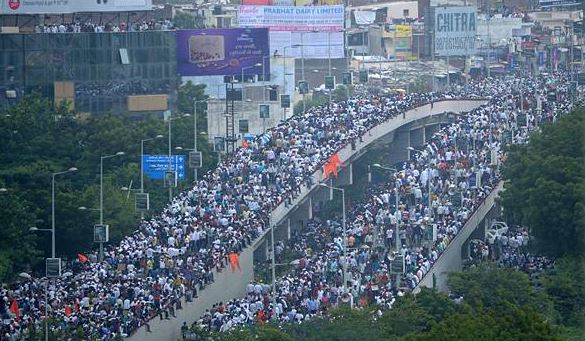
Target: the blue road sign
pixel 156 165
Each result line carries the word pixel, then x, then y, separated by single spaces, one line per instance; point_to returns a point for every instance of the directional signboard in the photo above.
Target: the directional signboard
pixel 156 165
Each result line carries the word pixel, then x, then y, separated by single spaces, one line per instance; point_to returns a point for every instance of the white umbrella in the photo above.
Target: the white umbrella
pixel 24 275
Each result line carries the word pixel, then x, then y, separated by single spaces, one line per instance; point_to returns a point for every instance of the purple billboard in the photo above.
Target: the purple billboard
pixel 222 51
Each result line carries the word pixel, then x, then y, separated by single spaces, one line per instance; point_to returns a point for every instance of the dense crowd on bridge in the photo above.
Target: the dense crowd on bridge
pixel 77 27
pixel 448 161
pixel 177 251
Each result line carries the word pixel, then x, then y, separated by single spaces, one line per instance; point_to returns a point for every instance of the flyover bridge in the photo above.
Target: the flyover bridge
pixel 412 128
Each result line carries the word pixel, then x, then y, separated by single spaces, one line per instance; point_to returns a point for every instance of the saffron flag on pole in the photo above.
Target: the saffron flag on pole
pixel 234 261
pixel 82 258
pixel 14 309
pixel 332 165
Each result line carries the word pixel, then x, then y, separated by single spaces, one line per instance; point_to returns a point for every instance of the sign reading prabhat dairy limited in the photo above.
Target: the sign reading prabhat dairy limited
pixel 318 28
pixel 293 18
pixel 455 30
pixel 71 6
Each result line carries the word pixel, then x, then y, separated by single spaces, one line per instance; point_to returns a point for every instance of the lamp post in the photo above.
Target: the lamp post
pixel 396 196
pixel 34 229
pixel 247 68
pixel 285 74
pixel 52 230
pixel 142 166
pixel 273 260
pixel 428 181
pixel 344 231
pixel 195 169
pixel 171 119
pixel 72 169
pixel 264 77
pixel 102 158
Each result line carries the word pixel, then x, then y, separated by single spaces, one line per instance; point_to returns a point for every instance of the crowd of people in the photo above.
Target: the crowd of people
pixel 457 153
pixel 175 253
pixel 509 249
pixel 77 27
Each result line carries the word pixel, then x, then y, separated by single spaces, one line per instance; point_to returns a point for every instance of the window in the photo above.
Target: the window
pixel 405 13
pixel 125 60
pixel 243 126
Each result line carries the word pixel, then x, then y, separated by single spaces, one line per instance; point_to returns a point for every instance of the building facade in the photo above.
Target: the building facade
pixel 96 73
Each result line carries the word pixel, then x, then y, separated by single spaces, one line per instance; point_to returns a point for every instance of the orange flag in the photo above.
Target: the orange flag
pixel 234 261
pixel 14 309
pixel 67 310
pixel 332 165
pixel 82 258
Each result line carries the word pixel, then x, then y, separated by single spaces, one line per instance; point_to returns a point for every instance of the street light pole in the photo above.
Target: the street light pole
pixel 344 227
pixel 72 169
pixel 102 158
pixel 195 169
pixel 142 167
pixel 329 67
pixel 303 68
pixel 396 196
pixel 273 261
pixel 170 184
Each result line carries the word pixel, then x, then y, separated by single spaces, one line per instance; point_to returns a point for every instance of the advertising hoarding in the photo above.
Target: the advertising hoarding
pixel 71 6
pixel 402 31
pixel 315 27
pixel 293 18
pixel 314 44
pixel 208 52
pixel 454 30
pixel 557 3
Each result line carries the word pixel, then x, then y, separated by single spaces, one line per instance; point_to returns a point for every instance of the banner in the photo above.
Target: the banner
pixel 315 45
pixel 558 3
pixel 455 31
pixel 293 18
pixel 72 6
pixel 364 17
pixel 402 31
pixel 292 25
pixel 222 51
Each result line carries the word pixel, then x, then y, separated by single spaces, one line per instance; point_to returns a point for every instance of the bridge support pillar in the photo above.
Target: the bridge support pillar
pixel 398 151
pixel 430 130
pixel 417 137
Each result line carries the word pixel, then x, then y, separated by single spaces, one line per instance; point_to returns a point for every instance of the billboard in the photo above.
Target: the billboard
pixel 155 166
pixel 293 18
pixel 454 30
pixel 208 52
pixel 402 31
pixel 558 3
pixel 317 28
pixel 72 6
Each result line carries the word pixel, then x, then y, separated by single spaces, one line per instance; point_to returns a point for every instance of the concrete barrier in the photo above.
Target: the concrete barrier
pixel 230 285
pixel 450 260
pixel 227 285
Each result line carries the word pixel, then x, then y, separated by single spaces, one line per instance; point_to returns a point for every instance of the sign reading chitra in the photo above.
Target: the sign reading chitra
pixel 455 31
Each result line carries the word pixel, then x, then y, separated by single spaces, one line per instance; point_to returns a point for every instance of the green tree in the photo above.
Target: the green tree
pixel 545 188
pixel 39 139
pixel 508 323
pixel 310 102
pixel 185 21
pixel 565 285
pixel 17 243
pixel 488 286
